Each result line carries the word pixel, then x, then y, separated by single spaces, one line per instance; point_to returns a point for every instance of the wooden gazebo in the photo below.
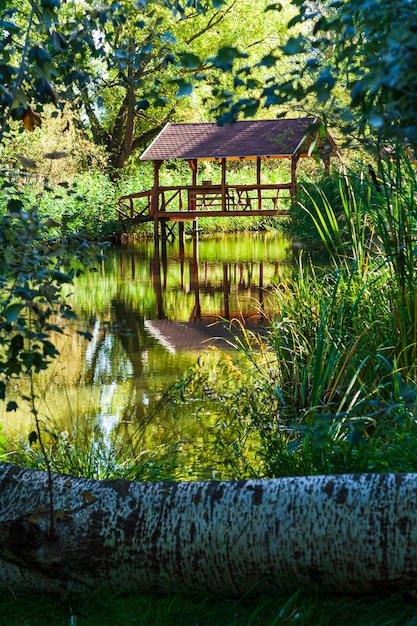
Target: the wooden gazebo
pixel 257 140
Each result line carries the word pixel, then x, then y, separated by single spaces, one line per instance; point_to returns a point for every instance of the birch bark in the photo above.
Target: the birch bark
pixel 345 533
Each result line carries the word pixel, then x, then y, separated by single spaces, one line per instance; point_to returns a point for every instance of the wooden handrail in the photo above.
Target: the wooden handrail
pixel 230 198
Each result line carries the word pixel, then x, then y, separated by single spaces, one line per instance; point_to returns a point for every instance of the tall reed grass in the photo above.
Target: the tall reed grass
pixel 330 386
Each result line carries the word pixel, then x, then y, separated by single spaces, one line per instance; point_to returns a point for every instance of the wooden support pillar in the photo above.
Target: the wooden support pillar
pixel 163 230
pixel 294 162
pixel 181 238
pixel 181 252
pixel 193 163
pixel 224 203
pixel 258 181
pixel 195 230
pixel 155 198
pixel 155 188
pixel 194 168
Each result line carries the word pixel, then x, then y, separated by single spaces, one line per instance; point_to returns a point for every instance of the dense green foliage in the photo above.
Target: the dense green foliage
pixel 330 385
pixel 35 266
pixel 352 63
pixel 127 67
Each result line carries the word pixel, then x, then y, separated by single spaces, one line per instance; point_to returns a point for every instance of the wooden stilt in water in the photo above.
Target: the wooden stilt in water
pixel 163 231
pixel 195 230
pixel 181 237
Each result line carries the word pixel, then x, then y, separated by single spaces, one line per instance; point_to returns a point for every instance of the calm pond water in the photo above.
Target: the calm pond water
pixel 151 313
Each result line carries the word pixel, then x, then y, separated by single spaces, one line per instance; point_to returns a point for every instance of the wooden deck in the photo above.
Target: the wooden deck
pixel 187 203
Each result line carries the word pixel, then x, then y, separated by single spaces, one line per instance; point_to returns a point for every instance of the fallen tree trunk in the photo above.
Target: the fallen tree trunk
pixel 346 533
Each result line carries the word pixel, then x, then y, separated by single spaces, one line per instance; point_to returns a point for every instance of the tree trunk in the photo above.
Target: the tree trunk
pixel 352 533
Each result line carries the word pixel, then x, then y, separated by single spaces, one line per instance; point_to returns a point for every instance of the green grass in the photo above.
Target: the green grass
pixel 301 609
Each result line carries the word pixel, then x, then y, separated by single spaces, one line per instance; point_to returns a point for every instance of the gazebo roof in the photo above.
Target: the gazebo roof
pixel 247 139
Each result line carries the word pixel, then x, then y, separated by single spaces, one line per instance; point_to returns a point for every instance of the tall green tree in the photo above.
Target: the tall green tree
pixel 151 59
pixel 355 60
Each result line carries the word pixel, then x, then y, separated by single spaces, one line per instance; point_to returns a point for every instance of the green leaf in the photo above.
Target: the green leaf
pixel 268 60
pixel 11 313
pixel 60 277
pixel 14 205
pixel 8 26
pixel 295 45
pixel 184 88
pixel 189 60
pixel 226 57
pixel 160 102
pixel 376 121
pixel 16 345
pixel 142 105
pixel 39 56
pixel 51 4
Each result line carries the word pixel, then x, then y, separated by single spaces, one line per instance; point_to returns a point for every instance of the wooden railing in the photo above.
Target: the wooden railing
pixel 128 210
pixel 208 199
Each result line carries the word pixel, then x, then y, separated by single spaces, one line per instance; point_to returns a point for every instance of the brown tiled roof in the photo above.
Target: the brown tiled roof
pixel 283 137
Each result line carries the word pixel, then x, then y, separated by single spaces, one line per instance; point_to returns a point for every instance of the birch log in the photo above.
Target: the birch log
pixel 345 533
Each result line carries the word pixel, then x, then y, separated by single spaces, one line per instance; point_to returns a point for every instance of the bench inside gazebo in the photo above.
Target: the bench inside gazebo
pixel 256 140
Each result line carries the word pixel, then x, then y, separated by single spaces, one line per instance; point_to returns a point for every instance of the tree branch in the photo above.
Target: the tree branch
pixel 215 19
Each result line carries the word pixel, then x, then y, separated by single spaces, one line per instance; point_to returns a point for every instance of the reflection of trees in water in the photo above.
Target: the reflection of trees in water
pixel 220 289
pixel 124 368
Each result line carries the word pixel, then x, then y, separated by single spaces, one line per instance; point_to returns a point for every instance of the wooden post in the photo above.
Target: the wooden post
pixel 155 198
pixel 224 204
pixel 193 163
pixel 181 237
pixel 155 228
pixel 258 181
pixel 155 188
pixel 182 252
pixel 195 230
pixel 294 163
pixel 163 231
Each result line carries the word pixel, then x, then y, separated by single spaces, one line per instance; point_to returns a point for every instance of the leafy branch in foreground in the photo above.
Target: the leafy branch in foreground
pixel 35 269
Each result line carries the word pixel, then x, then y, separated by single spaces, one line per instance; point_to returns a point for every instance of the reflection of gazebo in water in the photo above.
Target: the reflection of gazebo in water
pixel 239 289
pixel 256 140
